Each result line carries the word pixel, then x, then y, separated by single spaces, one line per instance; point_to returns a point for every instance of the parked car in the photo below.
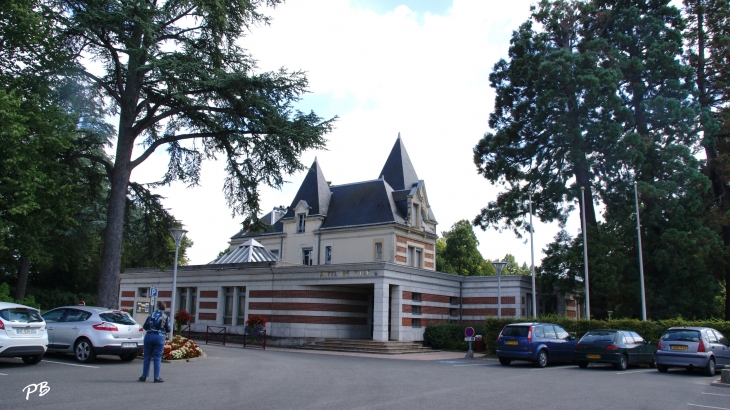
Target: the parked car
pixel 618 347
pixel 88 331
pixel 538 343
pixel 22 333
pixel 693 348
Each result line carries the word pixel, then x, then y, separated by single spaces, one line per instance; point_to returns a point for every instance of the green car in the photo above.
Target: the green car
pixel 618 347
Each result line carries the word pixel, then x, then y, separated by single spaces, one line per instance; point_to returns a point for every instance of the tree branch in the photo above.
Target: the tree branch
pixel 98 80
pixel 98 159
pixel 181 137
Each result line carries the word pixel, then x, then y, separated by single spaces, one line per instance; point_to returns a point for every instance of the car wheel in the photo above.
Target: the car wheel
pixel 582 364
pixel 504 361
pixel 653 362
pixel 542 359
pixel 710 368
pixel 84 351
pixel 622 364
pixel 35 359
pixel 662 368
pixel 128 357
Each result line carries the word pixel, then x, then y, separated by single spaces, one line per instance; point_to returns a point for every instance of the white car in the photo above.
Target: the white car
pixel 22 333
pixel 87 331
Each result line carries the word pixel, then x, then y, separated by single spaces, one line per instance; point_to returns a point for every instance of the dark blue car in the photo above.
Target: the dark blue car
pixel 538 343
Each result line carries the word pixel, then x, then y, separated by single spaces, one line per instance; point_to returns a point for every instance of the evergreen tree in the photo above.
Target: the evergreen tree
pixel 457 252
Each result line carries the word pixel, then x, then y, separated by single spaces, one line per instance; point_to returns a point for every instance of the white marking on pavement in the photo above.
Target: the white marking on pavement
pixel 708 407
pixel 475 364
pixel 637 371
pixel 717 394
pixel 3 374
pixel 72 364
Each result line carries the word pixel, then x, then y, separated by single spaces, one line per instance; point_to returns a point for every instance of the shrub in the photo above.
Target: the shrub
pixel 448 336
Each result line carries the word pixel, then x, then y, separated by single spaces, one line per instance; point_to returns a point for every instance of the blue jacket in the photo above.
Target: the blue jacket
pixel 157 323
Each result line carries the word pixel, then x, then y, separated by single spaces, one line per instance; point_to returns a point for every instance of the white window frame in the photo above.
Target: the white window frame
pixel 328 255
pixel 378 251
pixel 307 253
pixel 301 223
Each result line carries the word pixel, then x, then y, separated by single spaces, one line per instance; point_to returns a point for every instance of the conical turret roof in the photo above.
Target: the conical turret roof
pixel 398 171
pixel 314 190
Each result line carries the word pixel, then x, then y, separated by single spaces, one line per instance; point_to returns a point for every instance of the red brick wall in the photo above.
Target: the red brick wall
pixel 165 294
pixel 407 321
pixel 127 293
pixel 208 293
pixel 570 302
pixel 489 312
pixel 492 300
pixel 127 303
pixel 407 308
pixel 429 297
pixel 315 307
pixel 435 310
pixel 401 259
pixel 208 305
pixel 206 316
pixel 325 320
pixel 319 294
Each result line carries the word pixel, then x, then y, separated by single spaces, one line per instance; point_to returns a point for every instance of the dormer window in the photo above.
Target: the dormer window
pixel 300 223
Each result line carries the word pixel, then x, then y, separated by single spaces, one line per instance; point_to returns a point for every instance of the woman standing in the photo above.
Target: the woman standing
pixel 157 326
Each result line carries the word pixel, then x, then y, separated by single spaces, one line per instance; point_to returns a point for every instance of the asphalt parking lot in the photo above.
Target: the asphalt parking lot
pixel 284 379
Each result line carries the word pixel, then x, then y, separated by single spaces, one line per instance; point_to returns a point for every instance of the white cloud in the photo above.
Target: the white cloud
pixel 428 81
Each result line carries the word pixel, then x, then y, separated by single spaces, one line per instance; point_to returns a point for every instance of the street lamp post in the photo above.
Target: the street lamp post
pixel 641 258
pixel 585 250
pixel 177 235
pixel 499 266
pixel 532 256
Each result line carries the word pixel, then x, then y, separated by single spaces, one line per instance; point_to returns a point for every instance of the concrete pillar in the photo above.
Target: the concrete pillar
pixel 381 296
pixel 396 312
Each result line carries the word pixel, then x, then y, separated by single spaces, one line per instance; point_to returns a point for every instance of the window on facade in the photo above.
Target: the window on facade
pixel 182 299
pixel 193 295
pixel 416 310
pixel 453 312
pixel 416 297
pixel 187 300
pixel 419 258
pixel 415 217
pixel 227 306
pixel 307 257
pixel 327 255
pixel 276 253
pixel 378 251
pixel 411 255
pixel 142 292
pixel 416 322
pixel 241 309
pixel 300 223
pixel 453 300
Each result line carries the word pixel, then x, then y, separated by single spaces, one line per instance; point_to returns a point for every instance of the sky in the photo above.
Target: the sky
pixel 415 67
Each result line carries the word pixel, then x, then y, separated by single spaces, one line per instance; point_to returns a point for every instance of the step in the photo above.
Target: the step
pixel 368 346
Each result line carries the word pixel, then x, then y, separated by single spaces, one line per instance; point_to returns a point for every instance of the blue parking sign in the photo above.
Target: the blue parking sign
pixel 153 292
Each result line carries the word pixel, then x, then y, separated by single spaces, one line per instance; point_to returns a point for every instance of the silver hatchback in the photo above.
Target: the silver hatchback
pixel 88 331
pixel 693 348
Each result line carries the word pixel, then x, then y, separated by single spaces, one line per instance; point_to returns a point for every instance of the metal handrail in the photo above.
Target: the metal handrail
pixel 209 331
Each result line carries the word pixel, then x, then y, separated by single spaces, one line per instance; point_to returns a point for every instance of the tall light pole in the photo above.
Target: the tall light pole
pixel 499 266
pixel 585 249
pixel 177 235
pixel 532 255
pixel 641 258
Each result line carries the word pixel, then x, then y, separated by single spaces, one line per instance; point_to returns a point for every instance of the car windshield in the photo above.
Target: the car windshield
pixel 516 331
pixel 23 315
pixel 682 335
pixel 118 318
pixel 598 337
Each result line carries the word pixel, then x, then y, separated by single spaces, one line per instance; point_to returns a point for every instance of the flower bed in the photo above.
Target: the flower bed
pixel 181 348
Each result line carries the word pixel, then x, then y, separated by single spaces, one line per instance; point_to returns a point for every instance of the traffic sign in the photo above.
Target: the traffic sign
pixel 469 332
pixel 153 292
pixel 469 339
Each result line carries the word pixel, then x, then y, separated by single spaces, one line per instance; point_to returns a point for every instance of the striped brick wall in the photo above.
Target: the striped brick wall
pixel 333 307
pixel 208 305
pixel 401 251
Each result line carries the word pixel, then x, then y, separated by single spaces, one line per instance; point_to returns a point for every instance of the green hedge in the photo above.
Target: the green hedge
pixel 447 336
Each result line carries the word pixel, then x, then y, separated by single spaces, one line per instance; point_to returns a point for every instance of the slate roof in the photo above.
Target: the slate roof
pixel 398 169
pixel 314 190
pixel 362 203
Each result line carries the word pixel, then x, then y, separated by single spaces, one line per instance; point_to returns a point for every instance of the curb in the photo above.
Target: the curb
pixel 718 383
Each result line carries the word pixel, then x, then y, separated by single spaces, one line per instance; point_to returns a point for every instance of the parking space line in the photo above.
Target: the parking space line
pixel 475 364
pixel 71 364
pixel 717 394
pixel 3 374
pixel 708 407
pixel 637 371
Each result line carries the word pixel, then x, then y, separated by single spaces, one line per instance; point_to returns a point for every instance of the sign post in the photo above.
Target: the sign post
pixel 153 296
pixel 469 333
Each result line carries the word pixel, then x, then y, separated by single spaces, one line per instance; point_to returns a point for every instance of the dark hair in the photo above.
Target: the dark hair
pixel 161 305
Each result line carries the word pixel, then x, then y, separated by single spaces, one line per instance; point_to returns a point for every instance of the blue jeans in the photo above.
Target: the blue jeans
pixel 154 344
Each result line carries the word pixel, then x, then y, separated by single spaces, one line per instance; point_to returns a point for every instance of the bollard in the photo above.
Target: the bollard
pixel 725 376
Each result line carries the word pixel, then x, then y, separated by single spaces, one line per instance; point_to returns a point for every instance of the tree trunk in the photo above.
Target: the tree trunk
pixel 111 258
pixel 581 176
pixel 23 273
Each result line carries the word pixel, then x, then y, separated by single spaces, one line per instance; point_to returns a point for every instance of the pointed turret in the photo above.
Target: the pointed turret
pixel 315 191
pixel 398 170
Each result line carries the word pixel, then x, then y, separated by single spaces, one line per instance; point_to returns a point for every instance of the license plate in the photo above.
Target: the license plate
pixel 593 356
pixel 26 331
pixel 129 344
pixel 511 342
pixel 678 347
